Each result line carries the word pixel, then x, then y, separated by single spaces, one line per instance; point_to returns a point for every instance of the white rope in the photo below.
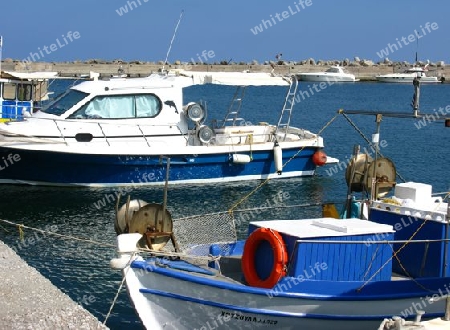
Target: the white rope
pixel 58 235
pixel 120 288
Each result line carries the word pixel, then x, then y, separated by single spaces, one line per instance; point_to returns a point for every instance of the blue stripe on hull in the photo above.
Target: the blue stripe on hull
pixel 66 169
pixel 274 313
pixel 317 290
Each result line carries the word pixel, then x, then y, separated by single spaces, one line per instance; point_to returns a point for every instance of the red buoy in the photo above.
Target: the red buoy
pixel 319 158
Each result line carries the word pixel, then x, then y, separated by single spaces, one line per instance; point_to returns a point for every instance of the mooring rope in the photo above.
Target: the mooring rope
pixel 243 199
pixel 119 289
pixel 21 234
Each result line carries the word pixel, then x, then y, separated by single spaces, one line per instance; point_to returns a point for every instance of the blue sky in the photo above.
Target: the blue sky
pixel 326 29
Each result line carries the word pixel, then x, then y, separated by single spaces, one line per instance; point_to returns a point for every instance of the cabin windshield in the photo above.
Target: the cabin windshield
pixel 333 70
pixel 64 102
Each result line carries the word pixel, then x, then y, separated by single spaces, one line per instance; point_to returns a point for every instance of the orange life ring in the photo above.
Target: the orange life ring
pixel 280 256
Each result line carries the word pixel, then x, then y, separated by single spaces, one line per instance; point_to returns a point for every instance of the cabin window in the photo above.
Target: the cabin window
pixel 64 102
pixel 24 92
pixel 9 91
pixel 120 107
pixel 147 105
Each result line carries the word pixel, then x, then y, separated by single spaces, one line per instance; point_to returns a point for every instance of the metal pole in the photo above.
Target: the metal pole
pixel 447 222
pixel 166 185
pixel 375 141
pixel 416 83
pixel 447 309
pixel 1 48
pixel 356 149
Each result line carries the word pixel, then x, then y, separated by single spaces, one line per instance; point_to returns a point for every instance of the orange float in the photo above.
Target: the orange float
pixel 319 158
pixel 279 253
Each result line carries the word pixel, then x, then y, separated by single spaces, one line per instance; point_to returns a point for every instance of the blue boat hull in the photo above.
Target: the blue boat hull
pixel 56 168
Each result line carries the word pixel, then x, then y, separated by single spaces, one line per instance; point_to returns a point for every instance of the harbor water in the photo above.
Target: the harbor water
pixel 80 268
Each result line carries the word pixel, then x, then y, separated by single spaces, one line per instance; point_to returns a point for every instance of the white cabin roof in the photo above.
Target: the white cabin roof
pixel 324 227
pixel 182 78
pixel 28 75
pixel 235 78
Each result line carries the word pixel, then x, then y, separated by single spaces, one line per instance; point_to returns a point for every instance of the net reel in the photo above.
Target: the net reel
pixel 364 174
pixel 148 219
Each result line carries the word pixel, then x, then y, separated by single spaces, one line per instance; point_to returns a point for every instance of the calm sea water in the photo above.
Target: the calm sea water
pixel 82 270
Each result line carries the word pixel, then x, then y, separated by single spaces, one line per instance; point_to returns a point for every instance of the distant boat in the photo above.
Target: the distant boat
pixel 334 73
pixel 408 76
pixel 21 91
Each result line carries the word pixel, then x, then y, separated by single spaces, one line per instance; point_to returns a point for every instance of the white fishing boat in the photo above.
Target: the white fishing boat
pixel 317 274
pixel 333 74
pixel 288 274
pixel 408 76
pixel 114 132
pixel 21 92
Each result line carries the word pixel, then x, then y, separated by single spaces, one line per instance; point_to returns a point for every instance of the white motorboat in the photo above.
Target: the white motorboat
pixel 115 132
pixel 333 74
pixel 408 76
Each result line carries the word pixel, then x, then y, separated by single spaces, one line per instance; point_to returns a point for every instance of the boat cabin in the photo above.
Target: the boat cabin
pixel 335 69
pixel 19 93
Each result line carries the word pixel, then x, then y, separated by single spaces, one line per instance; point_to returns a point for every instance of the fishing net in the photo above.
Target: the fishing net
pixel 194 234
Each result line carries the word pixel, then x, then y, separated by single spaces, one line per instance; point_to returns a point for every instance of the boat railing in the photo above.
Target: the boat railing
pixel 103 125
pixel 286 112
pixel 14 110
pixel 370 241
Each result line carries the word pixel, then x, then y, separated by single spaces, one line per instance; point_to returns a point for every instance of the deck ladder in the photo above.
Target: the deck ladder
pixel 286 112
pixel 235 107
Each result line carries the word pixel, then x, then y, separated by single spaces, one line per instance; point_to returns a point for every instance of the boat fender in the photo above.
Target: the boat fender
pixel 280 258
pixel 119 263
pixel 319 158
pixel 241 159
pixel 278 158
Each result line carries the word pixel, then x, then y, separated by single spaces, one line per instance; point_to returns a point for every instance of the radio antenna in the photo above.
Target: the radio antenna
pixel 173 38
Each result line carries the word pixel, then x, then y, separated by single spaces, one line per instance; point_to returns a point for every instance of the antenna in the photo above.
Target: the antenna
pixel 1 47
pixel 173 38
pixel 417 49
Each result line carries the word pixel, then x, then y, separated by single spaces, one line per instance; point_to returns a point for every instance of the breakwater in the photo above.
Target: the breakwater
pixel 362 70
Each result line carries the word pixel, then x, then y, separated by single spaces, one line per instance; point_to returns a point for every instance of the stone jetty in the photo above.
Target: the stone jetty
pixel 366 70
pixel 30 301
